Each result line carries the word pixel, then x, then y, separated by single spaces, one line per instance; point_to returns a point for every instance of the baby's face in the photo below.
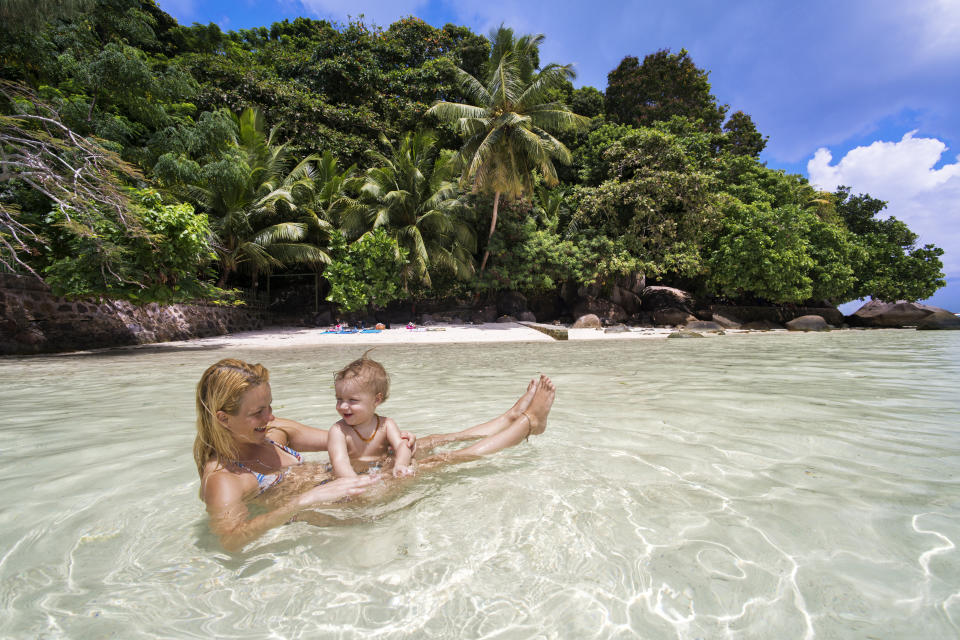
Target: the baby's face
pixel 356 404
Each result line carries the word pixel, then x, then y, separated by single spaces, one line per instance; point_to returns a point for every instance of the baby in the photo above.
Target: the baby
pixel 361 435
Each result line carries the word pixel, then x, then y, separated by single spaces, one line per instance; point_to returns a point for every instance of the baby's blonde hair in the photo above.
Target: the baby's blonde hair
pixel 367 372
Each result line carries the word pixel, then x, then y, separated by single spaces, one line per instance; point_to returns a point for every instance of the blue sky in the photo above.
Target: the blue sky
pixel 857 92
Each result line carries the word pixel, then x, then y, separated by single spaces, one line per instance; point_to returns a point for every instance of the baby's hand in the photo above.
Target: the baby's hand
pixel 400 471
pixel 409 439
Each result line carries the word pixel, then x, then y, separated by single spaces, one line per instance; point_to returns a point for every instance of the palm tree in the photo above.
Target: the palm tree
pixel 413 195
pixel 508 127
pixel 252 201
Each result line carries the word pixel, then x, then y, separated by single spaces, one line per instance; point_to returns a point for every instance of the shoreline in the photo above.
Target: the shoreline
pixel 440 333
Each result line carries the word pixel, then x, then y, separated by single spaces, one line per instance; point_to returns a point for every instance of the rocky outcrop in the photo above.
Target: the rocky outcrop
pixel 877 313
pixel 511 303
pixel 940 320
pixel 607 311
pixel 657 298
pixel 808 323
pixel 685 334
pixel 672 317
pixel 33 320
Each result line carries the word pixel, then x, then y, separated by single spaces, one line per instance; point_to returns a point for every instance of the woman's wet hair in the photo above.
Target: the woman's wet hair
pixel 368 373
pixel 221 388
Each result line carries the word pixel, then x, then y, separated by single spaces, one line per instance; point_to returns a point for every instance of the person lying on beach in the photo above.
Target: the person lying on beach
pixel 361 438
pixel 246 456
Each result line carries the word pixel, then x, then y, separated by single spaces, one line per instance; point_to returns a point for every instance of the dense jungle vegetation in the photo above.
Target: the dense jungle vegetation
pixel 151 161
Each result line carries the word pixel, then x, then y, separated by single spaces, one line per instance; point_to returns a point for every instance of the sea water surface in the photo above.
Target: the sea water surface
pixel 751 486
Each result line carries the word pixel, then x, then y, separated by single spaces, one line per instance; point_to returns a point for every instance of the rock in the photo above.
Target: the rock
pixel 685 334
pixel 620 328
pixel 877 313
pixel 634 283
pixel 527 316
pixel 726 321
pixel 762 325
pixel 672 317
pixel 511 303
pixel 642 318
pixel 703 325
pixel 628 300
pixel 503 319
pixel 808 323
pixel 655 298
pixel 608 312
pixel 588 321
pixel 940 320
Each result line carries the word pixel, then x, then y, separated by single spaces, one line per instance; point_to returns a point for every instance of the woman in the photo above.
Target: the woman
pixel 245 455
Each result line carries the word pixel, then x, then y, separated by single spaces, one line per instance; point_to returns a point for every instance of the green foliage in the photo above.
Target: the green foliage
pixel 743 139
pixel 367 273
pixel 665 85
pixel 890 265
pixel 653 201
pixel 163 262
pixel 412 194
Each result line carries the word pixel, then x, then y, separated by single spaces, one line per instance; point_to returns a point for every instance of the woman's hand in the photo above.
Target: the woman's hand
pixel 337 490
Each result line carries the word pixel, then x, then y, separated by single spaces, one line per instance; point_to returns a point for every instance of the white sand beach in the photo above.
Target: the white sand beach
pixel 273 337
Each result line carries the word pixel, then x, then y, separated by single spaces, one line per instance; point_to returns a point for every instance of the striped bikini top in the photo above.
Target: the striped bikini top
pixel 267 480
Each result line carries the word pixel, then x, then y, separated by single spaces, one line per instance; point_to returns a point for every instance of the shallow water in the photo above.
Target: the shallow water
pixel 752 486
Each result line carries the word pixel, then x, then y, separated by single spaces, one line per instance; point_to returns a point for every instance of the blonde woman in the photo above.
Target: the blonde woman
pixel 247 456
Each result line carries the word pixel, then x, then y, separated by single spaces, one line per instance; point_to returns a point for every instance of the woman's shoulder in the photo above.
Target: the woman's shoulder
pixel 219 479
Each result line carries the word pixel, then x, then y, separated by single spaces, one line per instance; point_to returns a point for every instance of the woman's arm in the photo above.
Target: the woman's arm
pixel 339 455
pixel 228 514
pixel 300 436
pixel 403 452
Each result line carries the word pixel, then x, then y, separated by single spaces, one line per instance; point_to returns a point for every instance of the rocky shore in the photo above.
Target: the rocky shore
pixel 33 320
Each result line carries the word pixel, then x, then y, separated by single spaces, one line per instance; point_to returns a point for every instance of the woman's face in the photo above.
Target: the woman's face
pixel 249 424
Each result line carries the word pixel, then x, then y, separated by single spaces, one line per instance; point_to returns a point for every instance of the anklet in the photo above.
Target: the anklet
pixel 529 424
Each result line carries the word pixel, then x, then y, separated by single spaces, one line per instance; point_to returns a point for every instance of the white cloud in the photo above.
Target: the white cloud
pixel 903 174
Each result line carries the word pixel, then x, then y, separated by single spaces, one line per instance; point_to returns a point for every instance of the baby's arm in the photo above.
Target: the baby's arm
pixel 339 456
pixel 403 452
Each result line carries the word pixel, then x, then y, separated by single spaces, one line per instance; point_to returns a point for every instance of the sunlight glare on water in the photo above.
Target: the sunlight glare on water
pixel 753 486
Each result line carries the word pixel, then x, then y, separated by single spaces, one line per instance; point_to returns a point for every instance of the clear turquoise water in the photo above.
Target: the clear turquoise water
pixel 753 486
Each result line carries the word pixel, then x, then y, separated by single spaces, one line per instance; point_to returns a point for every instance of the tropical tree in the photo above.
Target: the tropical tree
pixel 252 200
pixel 412 194
pixel 509 125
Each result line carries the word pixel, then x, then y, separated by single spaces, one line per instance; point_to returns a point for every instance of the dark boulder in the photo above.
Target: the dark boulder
pixel 940 320
pixel 685 334
pixel 672 317
pixel 608 312
pixel 877 313
pixel 655 298
pixel 808 323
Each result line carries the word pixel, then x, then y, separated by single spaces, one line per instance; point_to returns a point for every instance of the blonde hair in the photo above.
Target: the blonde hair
pixel 221 388
pixel 367 372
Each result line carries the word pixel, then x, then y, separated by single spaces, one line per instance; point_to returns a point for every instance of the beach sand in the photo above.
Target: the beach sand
pixel 274 337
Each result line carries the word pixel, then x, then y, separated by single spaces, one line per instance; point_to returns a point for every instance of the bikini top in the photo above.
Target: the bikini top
pixel 267 480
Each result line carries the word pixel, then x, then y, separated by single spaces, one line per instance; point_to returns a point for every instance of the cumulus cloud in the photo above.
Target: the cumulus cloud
pixel 904 174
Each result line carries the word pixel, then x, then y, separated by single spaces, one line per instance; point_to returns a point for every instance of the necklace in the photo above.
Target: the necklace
pixel 371 435
pixel 262 463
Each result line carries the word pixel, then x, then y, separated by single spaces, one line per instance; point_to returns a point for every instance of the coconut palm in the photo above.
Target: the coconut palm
pixel 412 193
pixel 508 127
pixel 252 202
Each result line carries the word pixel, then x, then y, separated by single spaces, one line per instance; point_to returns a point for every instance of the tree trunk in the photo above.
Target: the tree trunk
pixel 493 225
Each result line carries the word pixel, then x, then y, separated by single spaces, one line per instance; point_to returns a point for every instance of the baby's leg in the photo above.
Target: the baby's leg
pixel 531 421
pixel 488 428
